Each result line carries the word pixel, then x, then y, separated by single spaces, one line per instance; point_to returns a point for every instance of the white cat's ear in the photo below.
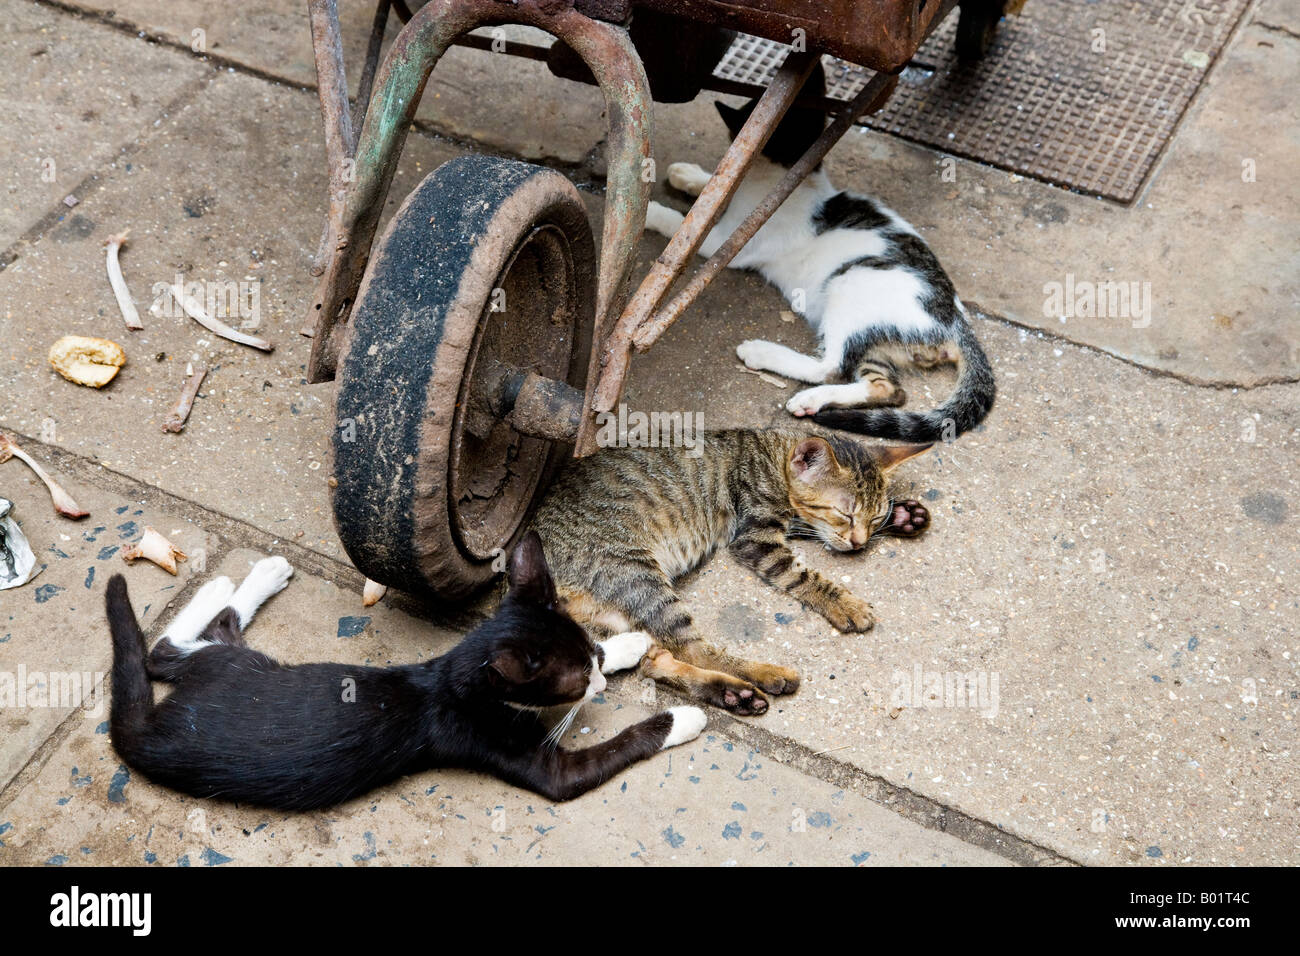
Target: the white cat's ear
pixel 811 458
pixel 889 457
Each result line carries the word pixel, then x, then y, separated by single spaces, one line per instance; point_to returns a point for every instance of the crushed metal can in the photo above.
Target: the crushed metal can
pixel 17 562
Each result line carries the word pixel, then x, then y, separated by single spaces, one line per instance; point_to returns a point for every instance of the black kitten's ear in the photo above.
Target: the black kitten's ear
pixel 733 116
pixel 530 578
pixel 511 666
pixel 811 458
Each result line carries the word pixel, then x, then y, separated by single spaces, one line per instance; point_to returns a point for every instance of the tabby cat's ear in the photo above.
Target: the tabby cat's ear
pixel 889 457
pixel 530 578
pixel 811 458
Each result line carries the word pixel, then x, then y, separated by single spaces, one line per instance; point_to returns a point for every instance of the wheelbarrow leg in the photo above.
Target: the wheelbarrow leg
pixel 615 354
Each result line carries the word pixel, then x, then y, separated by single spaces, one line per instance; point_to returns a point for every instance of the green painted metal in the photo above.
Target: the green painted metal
pixel 610 56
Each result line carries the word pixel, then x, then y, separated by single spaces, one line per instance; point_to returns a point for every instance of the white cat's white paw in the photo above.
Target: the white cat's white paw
pixel 687 724
pixel 807 402
pixel 756 353
pixel 623 651
pixel 659 218
pixel 688 177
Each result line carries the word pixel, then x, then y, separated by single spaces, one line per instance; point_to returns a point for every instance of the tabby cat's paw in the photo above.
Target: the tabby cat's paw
pixel 907 519
pixel 738 697
pixel 850 614
pixel 775 680
pixel 687 724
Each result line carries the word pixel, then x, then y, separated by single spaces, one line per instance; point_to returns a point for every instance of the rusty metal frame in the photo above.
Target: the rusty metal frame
pixel 355 209
pixel 362 167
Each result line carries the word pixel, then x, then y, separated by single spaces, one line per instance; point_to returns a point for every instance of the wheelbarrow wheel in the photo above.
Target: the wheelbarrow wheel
pixel 977 26
pixel 486 270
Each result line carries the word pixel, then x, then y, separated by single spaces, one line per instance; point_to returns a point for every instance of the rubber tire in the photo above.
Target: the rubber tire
pixel 414 327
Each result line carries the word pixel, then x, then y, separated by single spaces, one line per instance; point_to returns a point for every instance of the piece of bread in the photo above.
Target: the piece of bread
pixel 86 360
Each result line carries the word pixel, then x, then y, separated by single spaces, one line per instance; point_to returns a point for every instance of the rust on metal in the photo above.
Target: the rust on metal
pixel 373 49
pixel 546 408
pixel 615 352
pixel 881 34
pixel 340 139
pixel 871 97
pixel 399 86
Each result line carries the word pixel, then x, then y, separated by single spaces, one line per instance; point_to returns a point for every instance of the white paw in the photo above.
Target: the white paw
pixel 659 218
pixel 687 177
pixel 216 592
pixel 269 576
pixel 756 353
pixel 206 604
pixel 624 650
pixel 687 724
pixel 802 404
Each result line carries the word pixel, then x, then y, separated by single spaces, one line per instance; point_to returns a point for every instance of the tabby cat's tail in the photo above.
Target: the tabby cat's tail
pixel 132 692
pixel 965 408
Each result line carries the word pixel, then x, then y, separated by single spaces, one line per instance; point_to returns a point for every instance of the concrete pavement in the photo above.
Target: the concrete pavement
pixel 1112 552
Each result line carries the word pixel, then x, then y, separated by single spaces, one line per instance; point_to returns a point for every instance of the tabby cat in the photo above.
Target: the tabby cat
pixel 241 726
pixel 622 524
pixel 866 283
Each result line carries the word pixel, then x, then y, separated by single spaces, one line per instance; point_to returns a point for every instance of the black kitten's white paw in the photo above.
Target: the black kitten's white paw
pixel 688 722
pixel 269 576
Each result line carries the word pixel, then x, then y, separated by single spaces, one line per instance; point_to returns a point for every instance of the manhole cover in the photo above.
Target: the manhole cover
pixel 1079 95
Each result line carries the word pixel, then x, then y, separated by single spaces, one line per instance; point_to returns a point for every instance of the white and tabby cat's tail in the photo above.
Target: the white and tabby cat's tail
pixel 965 408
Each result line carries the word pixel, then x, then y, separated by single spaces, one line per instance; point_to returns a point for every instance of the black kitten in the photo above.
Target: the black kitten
pixel 243 727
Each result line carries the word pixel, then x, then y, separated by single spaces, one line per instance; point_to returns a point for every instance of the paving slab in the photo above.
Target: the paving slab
pixel 257 438
pixel 54 646
pixel 1111 555
pixel 499 101
pixel 711 802
pixel 73 95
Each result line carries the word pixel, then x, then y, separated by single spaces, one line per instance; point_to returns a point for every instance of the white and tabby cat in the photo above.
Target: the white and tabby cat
pixel 871 288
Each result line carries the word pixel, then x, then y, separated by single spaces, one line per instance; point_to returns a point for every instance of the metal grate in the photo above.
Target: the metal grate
pixel 1081 95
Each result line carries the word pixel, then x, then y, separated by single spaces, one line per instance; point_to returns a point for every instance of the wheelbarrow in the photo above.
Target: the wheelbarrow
pixel 476 341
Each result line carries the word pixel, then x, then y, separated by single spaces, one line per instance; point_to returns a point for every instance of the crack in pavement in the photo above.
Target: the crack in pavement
pixel 1186 379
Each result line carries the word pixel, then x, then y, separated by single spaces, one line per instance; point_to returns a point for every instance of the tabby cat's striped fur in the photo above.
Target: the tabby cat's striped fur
pixel 621 525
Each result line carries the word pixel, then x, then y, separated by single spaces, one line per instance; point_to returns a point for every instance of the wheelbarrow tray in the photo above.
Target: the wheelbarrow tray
pixel 879 34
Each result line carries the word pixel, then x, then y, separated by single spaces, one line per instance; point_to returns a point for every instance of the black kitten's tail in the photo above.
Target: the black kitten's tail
pixel 132 692
pixel 965 408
